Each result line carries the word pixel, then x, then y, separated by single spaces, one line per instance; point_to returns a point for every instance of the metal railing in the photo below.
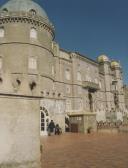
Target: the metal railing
pixel 90 85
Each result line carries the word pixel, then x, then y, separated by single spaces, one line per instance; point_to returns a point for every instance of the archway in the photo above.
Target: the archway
pixel 44 121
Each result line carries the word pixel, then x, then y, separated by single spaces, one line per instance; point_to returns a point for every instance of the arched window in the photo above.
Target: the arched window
pixel 67 74
pixel 2 31
pixel 33 33
pixel 44 121
pixel 79 78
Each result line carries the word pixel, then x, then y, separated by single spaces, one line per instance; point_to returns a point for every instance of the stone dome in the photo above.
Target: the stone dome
pixel 115 64
pixel 24 6
pixel 103 58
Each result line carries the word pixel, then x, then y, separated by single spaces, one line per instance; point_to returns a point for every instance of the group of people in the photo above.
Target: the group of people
pixel 54 129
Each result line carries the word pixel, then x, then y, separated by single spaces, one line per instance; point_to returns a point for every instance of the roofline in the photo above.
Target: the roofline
pixel 83 56
pixel 68 52
pixel 86 57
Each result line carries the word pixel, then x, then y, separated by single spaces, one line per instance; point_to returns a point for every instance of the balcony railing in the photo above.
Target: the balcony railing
pixel 115 91
pixel 90 85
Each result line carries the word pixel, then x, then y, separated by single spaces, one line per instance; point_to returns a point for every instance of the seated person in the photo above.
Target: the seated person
pixel 58 130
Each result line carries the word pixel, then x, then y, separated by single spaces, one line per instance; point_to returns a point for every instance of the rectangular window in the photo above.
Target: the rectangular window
pixel 68 89
pixel 32 63
pixel 0 63
pixel 67 74
pixel 33 33
pixel 68 105
pixel 1 32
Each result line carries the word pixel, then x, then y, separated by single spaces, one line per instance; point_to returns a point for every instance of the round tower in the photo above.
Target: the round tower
pixel 26 64
pixel 26 36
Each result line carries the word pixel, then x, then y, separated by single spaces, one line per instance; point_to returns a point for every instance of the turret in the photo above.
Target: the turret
pixel 104 68
pixel 104 62
pixel 118 82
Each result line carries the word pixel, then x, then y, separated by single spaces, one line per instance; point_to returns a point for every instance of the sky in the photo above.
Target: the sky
pixel 91 27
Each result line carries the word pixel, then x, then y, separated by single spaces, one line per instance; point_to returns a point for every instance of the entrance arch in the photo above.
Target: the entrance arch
pixel 44 121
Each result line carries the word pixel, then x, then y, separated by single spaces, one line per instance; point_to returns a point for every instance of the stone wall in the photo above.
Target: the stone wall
pixel 20 138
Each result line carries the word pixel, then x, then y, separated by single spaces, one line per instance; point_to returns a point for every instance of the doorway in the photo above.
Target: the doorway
pixel 44 121
pixel 90 101
pixel 74 127
pixel 76 123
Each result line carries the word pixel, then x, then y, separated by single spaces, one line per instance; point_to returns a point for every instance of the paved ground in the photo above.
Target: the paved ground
pixel 85 151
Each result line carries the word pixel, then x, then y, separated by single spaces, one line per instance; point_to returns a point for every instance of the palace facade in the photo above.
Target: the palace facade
pixel 39 81
pixel 126 96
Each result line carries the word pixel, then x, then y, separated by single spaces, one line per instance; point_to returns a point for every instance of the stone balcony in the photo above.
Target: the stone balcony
pixel 90 85
pixel 115 91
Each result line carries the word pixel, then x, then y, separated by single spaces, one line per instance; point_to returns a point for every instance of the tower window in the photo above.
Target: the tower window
pixel 33 33
pixel 2 32
pixel 32 64
pixel 5 10
pixel 32 12
pixel 1 62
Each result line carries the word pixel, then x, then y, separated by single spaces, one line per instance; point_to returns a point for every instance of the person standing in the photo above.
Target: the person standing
pixel 51 127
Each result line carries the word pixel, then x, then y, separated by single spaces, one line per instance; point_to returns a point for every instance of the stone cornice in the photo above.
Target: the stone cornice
pixel 19 96
pixel 25 17
pixel 84 58
pixel 26 43
pixel 80 113
pixel 67 60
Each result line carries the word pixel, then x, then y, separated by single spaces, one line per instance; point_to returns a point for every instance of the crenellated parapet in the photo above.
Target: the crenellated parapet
pixel 26 17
